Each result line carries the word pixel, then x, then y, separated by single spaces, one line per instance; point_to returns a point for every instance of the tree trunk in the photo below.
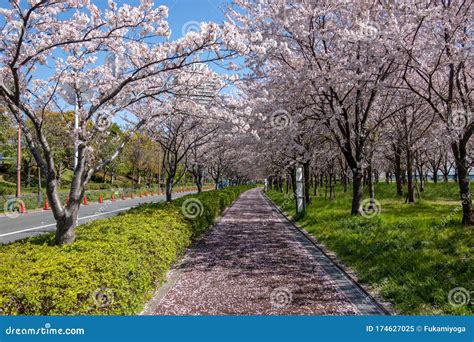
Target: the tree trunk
pixel 169 188
pixel 60 170
pixel 346 182
pixel 198 178
pixel 28 176
pixel 293 182
pixel 446 168
pixel 435 175
pixel 462 166
pixel 446 177
pixel 326 184
pixel 370 182
pixel 66 217
pixel 216 181
pixel 411 187
pixel 421 174
pixel 316 184
pixel 398 170
pixel 332 181
pixel 66 224
pixel 199 185
pixel 307 183
pixel 357 190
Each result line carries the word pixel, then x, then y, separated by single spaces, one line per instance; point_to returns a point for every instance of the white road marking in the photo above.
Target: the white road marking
pixel 53 224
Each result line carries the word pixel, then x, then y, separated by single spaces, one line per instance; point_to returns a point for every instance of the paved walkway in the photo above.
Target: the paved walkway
pixel 255 262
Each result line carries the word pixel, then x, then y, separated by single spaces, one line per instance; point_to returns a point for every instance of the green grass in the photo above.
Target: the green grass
pixel 412 254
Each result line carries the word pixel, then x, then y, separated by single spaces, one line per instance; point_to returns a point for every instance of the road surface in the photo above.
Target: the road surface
pixel 39 222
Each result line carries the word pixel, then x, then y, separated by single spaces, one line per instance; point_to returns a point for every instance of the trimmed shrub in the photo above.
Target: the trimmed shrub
pixel 113 267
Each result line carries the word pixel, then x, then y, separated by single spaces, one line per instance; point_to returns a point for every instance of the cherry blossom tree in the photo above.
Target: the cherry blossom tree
pixel 104 62
pixel 350 65
pixel 335 57
pixel 436 45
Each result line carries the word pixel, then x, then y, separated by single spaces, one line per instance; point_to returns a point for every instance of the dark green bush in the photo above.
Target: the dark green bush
pixel 113 267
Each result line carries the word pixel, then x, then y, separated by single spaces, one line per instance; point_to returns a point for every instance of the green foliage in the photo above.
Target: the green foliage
pixel 414 254
pixel 113 267
pixel 7 134
pixel 7 188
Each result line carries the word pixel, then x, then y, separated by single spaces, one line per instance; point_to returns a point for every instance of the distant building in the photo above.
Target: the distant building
pixel 206 92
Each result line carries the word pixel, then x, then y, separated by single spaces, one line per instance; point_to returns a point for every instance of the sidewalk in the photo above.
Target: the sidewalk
pixel 255 262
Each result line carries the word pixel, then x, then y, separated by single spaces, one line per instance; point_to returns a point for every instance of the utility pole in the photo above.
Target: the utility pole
pixel 40 195
pixel 18 162
pixel 76 127
pixel 159 170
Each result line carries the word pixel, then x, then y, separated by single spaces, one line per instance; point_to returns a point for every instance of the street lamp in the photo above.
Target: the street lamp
pixel 18 162
pixel 72 95
pixel 40 195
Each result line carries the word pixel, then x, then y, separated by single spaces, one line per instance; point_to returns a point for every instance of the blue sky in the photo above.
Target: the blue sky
pixel 182 12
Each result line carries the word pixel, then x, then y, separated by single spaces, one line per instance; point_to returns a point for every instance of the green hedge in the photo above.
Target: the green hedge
pixel 113 267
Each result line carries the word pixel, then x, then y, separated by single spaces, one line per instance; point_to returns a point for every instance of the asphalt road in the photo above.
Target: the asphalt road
pixel 40 222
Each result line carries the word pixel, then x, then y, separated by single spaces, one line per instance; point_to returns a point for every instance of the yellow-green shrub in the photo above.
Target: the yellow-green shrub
pixel 112 268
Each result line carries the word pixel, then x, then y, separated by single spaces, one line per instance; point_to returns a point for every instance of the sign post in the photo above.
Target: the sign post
pixel 300 200
pixel 18 162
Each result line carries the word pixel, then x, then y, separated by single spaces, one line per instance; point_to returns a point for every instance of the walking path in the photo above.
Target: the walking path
pixel 255 262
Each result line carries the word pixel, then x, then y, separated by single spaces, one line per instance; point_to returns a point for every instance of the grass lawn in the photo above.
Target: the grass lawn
pixel 416 256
